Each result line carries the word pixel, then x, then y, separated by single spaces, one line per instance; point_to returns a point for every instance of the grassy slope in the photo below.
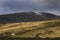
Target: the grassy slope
pixel 32 29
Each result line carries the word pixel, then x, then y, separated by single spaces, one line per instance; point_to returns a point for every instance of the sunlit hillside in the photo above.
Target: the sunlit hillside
pixel 42 29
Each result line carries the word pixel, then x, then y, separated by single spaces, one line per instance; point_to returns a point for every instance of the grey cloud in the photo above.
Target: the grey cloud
pixel 48 3
pixel 8 6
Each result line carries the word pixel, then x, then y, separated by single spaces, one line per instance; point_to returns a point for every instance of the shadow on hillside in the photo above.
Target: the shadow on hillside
pixel 5 20
pixel 12 20
pixel 25 17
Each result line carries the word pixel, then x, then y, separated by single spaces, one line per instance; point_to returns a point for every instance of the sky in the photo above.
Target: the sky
pixel 12 6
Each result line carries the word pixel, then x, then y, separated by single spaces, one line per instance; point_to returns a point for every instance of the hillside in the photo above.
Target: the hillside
pixel 27 17
pixel 41 29
pixel 30 25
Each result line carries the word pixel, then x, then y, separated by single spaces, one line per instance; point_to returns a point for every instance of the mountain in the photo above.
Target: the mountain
pixel 48 16
pixel 27 17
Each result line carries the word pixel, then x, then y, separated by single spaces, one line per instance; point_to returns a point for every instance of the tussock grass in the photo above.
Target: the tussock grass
pixel 42 29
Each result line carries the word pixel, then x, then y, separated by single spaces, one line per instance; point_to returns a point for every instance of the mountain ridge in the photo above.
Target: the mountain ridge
pixel 27 17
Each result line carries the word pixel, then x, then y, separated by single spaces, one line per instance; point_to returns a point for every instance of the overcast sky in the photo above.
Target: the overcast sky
pixel 9 6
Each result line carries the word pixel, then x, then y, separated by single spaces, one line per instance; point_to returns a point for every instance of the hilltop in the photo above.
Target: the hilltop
pixel 27 17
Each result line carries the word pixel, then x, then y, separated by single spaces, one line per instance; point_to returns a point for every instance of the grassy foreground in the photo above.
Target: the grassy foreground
pixel 43 29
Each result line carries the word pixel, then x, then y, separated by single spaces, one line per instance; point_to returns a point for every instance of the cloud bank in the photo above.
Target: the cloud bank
pixel 9 6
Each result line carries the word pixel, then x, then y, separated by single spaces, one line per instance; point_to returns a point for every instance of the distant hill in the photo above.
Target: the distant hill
pixel 27 17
